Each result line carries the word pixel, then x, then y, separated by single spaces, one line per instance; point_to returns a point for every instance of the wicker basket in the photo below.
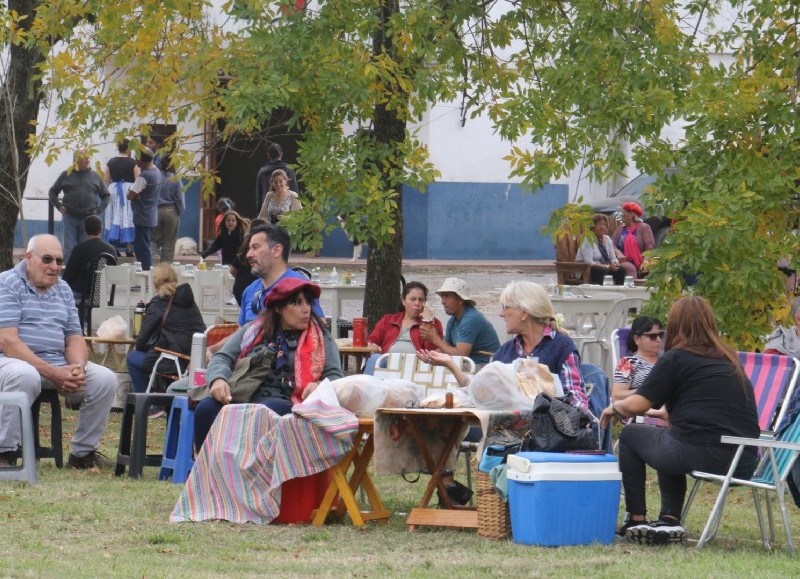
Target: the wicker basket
pixel 494 521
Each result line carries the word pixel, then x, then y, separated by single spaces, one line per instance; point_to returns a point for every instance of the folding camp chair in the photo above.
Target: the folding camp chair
pixel 774 378
pixel 778 457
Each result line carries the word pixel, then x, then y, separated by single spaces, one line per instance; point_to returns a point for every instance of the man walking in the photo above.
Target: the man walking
pixel 41 340
pixel 84 194
pixel 143 196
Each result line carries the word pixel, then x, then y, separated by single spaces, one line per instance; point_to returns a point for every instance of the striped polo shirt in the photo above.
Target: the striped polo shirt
pixel 43 320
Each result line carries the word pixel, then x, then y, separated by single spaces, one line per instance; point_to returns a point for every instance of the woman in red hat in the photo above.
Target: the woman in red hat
pixel 288 350
pixel 632 239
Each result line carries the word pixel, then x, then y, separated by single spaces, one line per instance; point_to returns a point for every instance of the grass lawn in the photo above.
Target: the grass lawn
pixel 88 524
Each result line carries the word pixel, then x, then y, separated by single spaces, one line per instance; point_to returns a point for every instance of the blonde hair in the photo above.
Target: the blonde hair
pixel 165 280
pixel 532 298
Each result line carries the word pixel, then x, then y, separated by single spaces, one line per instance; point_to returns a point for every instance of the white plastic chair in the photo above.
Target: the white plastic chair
pixel 169 356
pixel 116 292
pixel 435 379
pixel 209 294
pixel 616 318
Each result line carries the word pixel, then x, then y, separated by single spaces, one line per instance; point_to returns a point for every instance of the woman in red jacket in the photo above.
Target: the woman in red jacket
pixel 399 333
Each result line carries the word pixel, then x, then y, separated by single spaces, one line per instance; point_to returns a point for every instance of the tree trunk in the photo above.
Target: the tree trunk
pixel 384 264
pixel 20 96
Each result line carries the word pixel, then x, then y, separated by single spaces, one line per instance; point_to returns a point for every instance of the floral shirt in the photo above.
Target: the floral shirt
pixel 632 370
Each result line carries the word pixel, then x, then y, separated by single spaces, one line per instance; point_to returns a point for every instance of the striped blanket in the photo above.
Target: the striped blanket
pixel 250 451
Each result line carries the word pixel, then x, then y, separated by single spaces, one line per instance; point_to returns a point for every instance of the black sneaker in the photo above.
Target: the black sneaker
pixel 627 523
pixel 659 532
pixel 94 460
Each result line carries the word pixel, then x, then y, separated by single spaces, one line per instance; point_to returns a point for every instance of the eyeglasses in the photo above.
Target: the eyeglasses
pixel 654 335
pixel 504 307
pixel 48 259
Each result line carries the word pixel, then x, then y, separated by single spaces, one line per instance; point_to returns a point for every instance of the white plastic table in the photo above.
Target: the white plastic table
pixel 336 294
pixel 629 292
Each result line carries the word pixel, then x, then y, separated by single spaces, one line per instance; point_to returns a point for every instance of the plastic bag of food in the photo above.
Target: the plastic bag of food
pixel 495 387
pixel 114 328
pixel 362 394
pixel 534 378
pixel 461 399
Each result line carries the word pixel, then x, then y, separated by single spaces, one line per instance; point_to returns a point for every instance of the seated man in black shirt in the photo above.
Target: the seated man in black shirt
pixel 77 272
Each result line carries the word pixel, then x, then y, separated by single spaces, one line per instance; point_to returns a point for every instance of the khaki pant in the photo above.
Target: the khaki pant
pixel 165 234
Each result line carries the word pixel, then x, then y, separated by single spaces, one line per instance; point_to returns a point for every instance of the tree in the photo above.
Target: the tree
pixel 105 69
pixel 582 81
pixel 382 65
pixel 357 74
pixel 20 95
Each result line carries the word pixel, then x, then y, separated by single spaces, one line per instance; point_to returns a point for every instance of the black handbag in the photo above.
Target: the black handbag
pixel 557 426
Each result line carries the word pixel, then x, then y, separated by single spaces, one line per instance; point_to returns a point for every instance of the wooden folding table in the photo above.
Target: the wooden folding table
pixel 111 358
pixel 451 424
pixel 343 491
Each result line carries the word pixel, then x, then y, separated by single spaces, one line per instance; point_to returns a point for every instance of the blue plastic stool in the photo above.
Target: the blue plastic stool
pixel 177 459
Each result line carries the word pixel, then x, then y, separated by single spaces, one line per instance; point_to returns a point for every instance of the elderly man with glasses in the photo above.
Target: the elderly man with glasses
pixel 41 340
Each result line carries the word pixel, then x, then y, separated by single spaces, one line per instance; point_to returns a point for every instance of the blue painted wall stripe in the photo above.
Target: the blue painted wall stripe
pixel 450 221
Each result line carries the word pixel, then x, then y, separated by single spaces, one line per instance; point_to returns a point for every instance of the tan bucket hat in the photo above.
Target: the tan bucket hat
pixel 457 286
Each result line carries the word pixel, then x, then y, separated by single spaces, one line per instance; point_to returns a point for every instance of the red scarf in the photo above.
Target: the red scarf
pixel 630 246
pixel 309 357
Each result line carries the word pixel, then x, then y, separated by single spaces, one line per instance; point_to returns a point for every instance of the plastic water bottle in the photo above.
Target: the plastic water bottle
pixel 334 277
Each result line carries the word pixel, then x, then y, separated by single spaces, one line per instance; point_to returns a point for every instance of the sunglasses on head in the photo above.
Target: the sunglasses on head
pixel 48 259
pixel 654 335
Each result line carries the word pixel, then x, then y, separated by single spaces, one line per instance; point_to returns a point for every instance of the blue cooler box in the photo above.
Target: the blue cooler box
pixel 563 499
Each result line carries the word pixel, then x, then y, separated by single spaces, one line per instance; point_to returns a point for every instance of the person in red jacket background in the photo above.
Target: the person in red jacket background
pixel 399 332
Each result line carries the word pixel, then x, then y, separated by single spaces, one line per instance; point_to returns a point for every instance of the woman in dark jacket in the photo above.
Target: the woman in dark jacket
pixel 182 320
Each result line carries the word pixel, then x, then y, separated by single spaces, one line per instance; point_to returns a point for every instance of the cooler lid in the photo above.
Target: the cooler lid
pixel 538 466
pixel 565 457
